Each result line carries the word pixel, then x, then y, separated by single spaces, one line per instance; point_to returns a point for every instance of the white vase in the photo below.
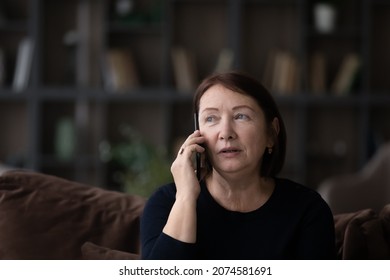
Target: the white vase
pixel 324 17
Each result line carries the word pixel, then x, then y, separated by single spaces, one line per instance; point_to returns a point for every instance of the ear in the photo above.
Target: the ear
pixel 274 132
pixel 275 125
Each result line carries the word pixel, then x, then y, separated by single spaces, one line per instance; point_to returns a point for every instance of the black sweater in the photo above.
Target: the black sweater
pixel 295 223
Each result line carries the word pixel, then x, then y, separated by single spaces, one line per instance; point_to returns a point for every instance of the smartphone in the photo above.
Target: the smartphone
pixel 197 155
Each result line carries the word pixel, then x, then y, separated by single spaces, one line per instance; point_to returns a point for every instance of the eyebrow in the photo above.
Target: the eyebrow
pixel 243 107
pixel 234 108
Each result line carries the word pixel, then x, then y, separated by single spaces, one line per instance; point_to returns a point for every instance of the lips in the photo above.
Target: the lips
pixel 229 150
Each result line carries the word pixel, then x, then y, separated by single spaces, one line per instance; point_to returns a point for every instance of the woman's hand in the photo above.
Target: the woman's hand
pixel 181 223
pixel 183 169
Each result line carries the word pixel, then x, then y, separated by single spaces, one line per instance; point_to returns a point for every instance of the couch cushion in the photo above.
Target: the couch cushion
pixel 385 219
pixel 92 251
pixel 359 235
pixel 46 217
pixel 373 233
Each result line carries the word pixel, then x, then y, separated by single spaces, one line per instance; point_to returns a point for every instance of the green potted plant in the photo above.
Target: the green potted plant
pixel 137 166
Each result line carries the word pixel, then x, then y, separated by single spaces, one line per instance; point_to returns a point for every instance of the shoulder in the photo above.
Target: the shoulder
pixel 294 189
pixel 166 190
pixel 298 195
pixel 164 195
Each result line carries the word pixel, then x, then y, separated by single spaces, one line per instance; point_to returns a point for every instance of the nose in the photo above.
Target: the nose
pixel 227 131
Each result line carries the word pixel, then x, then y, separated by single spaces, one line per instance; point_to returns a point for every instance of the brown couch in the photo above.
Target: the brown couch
pixel 46 217
pixel 367 188
pixel 363 234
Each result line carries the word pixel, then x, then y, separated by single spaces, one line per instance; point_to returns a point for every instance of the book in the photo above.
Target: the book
pixel 184 69
pixel 23 66
pixel 317 73
pixel 282 72
pixel 294 75
pixel 290 80
pixel 279 76
pixel 119 70
pixel 346 74
pixel 269 69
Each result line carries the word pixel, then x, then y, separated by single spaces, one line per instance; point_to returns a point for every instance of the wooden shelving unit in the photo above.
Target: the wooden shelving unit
pixel 327 134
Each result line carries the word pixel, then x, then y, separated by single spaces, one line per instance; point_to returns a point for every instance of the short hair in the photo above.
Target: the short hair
pixel 244 84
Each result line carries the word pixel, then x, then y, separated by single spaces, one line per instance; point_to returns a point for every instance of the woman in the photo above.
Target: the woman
pixel 240 209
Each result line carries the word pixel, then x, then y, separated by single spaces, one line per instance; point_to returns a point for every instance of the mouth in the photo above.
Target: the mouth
pixel 229 150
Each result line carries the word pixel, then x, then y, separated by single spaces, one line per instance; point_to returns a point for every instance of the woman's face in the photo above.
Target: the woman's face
pixel 235 130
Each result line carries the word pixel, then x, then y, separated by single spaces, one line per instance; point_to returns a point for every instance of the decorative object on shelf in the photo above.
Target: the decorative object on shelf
pixel 65 139
pixel 282 72
pixel 184 69
pixel 120 71
pixel 325 15
pixel 138 167
pixel 225 60
pixel 133 12
pixel 346 75
pixel 23 64
pixel 124 8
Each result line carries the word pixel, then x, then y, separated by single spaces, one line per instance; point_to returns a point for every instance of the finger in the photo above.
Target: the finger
pixel 193 139
pixel 191 149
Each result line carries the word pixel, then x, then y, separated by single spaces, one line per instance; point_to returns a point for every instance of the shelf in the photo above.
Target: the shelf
pixel 141 29
pixel 8 95
pixel 339 34
pixel 73 94
pixel 10 26
pixel 171 95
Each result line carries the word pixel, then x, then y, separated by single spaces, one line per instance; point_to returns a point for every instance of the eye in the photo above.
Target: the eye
pixel 241 116
pixel 209 119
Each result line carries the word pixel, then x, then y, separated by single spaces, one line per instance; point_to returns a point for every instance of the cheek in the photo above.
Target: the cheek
pixel 208 142
pixel 257 140
pixel 208 133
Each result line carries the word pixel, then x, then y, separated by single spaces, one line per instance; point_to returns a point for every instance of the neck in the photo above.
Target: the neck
pixel 240 194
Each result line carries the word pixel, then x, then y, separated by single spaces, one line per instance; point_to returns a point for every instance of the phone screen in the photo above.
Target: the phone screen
pixel 198 156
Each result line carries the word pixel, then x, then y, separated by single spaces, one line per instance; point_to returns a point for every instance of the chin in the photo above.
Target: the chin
pixel 228 169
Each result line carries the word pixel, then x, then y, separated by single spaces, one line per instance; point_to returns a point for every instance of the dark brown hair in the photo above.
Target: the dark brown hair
pixel 244 84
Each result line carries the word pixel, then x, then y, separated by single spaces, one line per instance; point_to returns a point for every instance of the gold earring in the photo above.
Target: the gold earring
pixel 270 150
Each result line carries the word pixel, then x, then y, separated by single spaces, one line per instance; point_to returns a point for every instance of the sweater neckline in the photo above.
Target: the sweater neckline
pixel 254 212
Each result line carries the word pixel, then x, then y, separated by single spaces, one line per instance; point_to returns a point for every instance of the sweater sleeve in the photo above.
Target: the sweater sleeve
pixel 156 244
pixel 317 239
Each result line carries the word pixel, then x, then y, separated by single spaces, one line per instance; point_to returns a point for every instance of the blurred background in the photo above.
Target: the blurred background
pixel 100 91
